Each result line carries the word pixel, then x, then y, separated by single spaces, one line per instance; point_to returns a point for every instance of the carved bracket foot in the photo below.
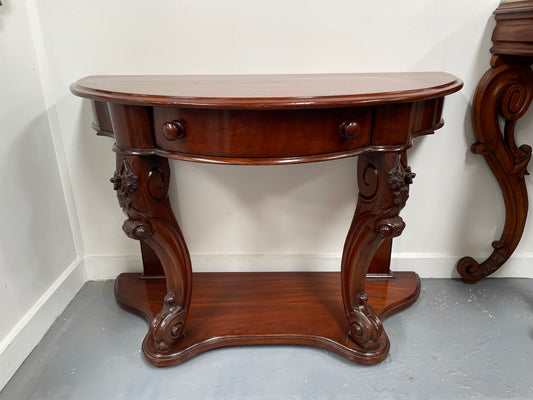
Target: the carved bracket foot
pixel 471 271
pixel 365 326
pixel 169 325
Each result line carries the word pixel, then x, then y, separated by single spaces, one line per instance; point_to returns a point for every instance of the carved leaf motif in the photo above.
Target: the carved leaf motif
pixel 125 182
pixel 399 179
pixel 522 160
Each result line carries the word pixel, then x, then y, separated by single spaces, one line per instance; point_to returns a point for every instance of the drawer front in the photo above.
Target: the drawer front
pixel 262 133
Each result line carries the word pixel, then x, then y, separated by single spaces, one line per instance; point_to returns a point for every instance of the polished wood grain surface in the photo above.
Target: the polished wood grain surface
pixel 230 309
pixel 266 136
pixel 267 91
pixel 513 33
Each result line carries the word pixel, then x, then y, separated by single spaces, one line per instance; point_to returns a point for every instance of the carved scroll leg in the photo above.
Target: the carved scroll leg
pixel 142 190
pixel 514 192
pixel 383 180
pixel 507 90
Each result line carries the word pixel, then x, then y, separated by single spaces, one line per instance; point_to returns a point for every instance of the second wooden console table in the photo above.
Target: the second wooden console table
pixel 265 119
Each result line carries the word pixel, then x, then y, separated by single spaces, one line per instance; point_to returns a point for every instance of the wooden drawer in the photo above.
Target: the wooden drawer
pixel 262 133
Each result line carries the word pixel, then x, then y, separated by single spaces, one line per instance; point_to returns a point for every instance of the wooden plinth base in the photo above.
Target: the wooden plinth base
pixel 266 308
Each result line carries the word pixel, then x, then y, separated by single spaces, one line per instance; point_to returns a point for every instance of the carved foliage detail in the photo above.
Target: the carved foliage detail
pixel 132 198
pixel 125 182
pixel 521 159
pixel 365 326
pixel 399 179
pixel 168 326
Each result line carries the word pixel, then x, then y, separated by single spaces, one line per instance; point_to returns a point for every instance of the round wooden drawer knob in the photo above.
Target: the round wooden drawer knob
pixel 349 130
pixel 173 130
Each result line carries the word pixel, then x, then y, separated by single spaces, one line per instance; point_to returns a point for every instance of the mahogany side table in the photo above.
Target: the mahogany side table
pixel 505 90
pixel 265 119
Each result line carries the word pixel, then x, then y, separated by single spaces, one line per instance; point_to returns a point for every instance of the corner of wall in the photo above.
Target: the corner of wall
pixel 28 332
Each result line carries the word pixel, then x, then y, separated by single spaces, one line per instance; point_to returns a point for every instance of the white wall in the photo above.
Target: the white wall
pixel 290 212
pixel 37 252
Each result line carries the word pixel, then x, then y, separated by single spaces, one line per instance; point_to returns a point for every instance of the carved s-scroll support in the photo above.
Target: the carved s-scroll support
pixel 383 180
pixel 142 190
pixel 505 90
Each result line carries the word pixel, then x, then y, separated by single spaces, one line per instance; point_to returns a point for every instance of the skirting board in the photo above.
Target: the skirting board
pixel 28 332
pixel 425 265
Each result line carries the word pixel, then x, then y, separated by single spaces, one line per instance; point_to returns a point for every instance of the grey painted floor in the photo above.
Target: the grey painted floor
pixel 456 342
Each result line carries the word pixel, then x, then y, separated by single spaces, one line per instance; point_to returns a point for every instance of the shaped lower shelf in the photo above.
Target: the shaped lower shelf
pixel 266 308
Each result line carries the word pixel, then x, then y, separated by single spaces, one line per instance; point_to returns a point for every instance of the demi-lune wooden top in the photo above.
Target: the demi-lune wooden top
pixel 267 91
